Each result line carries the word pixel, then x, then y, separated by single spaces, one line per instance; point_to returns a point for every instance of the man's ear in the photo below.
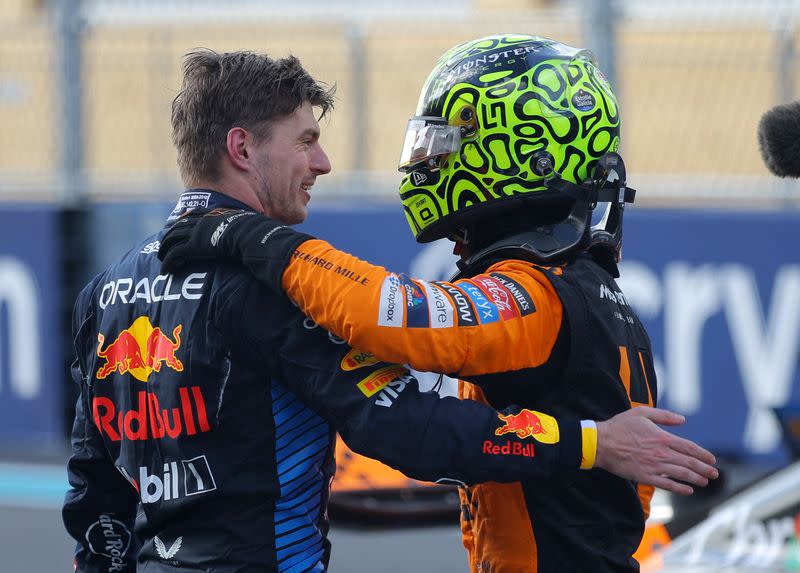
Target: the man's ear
pixel 237 146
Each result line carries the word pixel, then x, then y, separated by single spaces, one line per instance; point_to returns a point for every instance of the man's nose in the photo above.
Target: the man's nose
pixel 320 163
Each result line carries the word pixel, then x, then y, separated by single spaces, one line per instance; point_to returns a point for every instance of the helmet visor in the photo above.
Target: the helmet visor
pixel 428 137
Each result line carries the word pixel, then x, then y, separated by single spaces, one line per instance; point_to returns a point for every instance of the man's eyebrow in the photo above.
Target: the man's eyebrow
pixel 313 132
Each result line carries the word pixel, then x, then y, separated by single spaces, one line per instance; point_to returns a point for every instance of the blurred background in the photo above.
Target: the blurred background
pixel 87 168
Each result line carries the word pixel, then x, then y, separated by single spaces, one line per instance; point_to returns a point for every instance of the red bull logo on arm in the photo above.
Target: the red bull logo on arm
pixel 529 424
pixel 139 350
pixel 508 449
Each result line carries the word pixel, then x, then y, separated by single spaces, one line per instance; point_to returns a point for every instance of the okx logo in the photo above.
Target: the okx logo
pixel 139 350
pixel 174 481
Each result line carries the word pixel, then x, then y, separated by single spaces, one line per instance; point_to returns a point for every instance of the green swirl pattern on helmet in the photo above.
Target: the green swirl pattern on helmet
pixel 513 96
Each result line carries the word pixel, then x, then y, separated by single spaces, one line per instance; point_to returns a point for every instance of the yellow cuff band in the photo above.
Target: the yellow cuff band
pixel 588 443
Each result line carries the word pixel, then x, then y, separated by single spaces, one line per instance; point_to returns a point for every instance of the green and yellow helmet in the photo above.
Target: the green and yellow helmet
pixel 497 119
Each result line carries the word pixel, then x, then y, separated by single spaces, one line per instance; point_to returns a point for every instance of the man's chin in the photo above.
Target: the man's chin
pixel 288 216
pixel 297 217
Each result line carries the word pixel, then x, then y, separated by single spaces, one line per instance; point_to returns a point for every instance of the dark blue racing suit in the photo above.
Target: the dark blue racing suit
pixel 204 431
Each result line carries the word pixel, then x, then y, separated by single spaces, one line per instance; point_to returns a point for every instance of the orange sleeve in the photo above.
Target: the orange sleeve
pixel 645 495
pixel 505 319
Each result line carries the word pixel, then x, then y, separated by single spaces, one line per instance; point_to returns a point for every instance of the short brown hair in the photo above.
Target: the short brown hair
pixel 235 89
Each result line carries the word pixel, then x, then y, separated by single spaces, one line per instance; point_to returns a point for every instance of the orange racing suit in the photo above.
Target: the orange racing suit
pixel 558 339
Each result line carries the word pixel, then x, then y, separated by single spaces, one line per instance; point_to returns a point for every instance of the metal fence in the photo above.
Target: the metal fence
pixel 85 93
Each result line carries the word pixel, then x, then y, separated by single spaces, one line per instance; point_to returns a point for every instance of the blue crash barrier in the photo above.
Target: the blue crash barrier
pixel 31 380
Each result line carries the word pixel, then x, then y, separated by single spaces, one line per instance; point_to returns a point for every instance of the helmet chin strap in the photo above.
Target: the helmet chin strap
pixel 546 244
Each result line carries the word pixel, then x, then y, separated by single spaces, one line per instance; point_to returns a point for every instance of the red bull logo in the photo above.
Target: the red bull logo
pixel 148 419
pixel 529 424
pixel 140 350
pixel 508 449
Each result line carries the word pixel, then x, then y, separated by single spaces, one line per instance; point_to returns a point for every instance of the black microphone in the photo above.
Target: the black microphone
pixel 779 139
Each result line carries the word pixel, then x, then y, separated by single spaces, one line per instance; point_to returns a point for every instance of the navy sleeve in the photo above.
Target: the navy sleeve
pixel 381 413
pixel 100 505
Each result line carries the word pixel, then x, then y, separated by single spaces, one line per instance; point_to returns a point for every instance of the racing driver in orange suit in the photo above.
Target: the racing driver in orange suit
pixel 512 148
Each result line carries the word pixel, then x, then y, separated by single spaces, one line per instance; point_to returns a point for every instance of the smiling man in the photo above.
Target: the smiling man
pixel 284 164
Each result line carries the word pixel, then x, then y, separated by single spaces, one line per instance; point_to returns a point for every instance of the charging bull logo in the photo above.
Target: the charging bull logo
pixel 139 350
pixel 529 424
